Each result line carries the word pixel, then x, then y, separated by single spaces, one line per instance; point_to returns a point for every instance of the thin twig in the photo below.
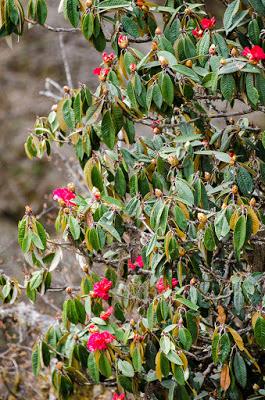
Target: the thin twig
pixel 65 61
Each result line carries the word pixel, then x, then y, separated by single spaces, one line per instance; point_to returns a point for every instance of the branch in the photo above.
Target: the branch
pixel 65 61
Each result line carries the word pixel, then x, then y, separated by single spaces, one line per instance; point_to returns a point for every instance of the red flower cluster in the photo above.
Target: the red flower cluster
pixel 101 289
pixel 108 58
pixel 161 287
pixel 123 41
pixel 118 396
pixel 106 314
pixel 101 72
pixel 206 23
pixel 99 340
pixel 65 195
pixel 256 53
pixel 138 263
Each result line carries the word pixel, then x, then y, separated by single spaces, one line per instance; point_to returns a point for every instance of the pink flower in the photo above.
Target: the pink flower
pixel 162 287
pixel 108 58
pixel 197 32
pixel 118 396
pixel 138 263
pixel 102 288
pixel 208 23
pixel 106 314
pixel 101 72
pixel 256 53
pixel 123 41
pixel 99 340
pixel 65 195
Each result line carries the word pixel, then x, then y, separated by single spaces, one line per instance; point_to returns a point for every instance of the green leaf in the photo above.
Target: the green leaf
pixel 92 367
pixel 21 231
pixel 254 31
pixel 68 114
pixel 244 181
pixel 111 230
pixel 120 182
pixel 240 370
pixel 221 225
pixel 258 6
pixel 88 25
pixel 41 11
pixel 108 130
pixel 183 192
pixel 71 311
pixel 203 47
pixel 126 368
pixel 42 234
pixel 167 89
pixel 225 347
pixel 36 359
pixel 229 14
pixel 209 238
pixel 239 233
pixel 252 92
pixel 81 312
pixel 187 302
pixel 130 26
pixel 104 365
pixel 183 70
pixel 228 87
pixel 72 11
pixel 74 227
pixel 185 338
pixel 110 4
pixel 259 332
pixel 137 359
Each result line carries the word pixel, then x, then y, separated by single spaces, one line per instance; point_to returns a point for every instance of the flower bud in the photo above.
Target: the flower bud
pixel 156 130
pixel 173 161
pixel 158 31
pixel 207 176
pixel 89 3
pixel 223 61
pixel 59 365
pixel 189 63
pixel 193 281
pixel 212 50
pixel 154 46
pixel 69 290
pixel 234 52
pixel 123 41
pixel 96 193
pixel 133 67
pixel 252 202
pixel 66 89
pixel 54 108
pixel 158 193
pixel 28 210
pixel 256 387
pixel 163 61
pixel 182 251
pixel 71 187
pixel 202 218
pixel 234 189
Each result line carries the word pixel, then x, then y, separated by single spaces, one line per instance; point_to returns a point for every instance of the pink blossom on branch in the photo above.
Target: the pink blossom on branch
pixel 101 289
pixel 65 195
pixel 197 32
pixel 208 23
pixel 106 314
pixel 108 58
pixel 138 263
pixel 256 53
pixel 99 340
pixel 118 396
pixel 162 287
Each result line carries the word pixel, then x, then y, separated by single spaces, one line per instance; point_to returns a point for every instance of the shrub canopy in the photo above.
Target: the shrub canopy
pixel 167 227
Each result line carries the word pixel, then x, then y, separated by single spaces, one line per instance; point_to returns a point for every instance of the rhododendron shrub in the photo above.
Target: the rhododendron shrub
pixel 167 225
